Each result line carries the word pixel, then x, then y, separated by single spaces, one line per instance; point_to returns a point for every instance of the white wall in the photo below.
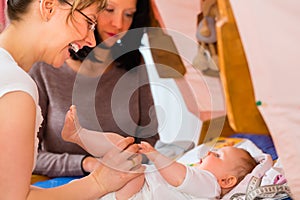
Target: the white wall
pixel 176 122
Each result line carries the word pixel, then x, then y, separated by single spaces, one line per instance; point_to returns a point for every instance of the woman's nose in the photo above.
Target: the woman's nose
pixel 90 39
pixel 117 20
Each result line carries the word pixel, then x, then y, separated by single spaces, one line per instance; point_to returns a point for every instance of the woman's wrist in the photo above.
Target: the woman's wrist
pixel 96 186
pixel 100 185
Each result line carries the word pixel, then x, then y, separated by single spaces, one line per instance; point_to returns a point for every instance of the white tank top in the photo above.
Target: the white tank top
pixel 14 78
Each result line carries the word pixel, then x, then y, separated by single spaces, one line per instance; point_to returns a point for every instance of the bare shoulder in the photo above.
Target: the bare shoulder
pixel 16 109
pixel 17 131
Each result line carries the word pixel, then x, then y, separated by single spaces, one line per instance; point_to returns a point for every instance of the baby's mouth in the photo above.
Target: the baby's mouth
pixel 74 47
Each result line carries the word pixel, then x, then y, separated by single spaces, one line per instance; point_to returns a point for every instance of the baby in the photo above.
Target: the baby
pixel 215 174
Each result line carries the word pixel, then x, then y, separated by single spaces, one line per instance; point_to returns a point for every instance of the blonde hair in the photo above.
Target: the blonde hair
pixel 82 4
pixel 79 5
pixel 17 8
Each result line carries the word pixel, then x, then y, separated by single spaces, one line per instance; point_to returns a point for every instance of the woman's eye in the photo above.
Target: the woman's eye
pixel 91 25
pixel 129 15
pixel 109 9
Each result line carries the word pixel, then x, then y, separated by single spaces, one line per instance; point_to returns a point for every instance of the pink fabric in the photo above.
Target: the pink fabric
pixel 207 93
pixel 279 179
pixel 2 14
pixel 270 34
pixel 180 20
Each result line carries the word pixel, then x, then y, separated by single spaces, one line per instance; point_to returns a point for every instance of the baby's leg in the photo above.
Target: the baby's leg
pixel 71 127
pixel 95 142
pixel 131 188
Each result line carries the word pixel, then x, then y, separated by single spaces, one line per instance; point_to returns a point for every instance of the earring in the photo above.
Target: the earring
pixel 119 42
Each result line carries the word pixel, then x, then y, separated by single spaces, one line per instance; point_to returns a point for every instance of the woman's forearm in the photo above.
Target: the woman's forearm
pixel 82 189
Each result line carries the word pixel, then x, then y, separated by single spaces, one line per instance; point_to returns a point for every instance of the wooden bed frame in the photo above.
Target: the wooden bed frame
pixel 242 113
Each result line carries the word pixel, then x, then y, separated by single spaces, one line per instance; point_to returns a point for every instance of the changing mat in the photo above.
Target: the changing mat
pixel 267 179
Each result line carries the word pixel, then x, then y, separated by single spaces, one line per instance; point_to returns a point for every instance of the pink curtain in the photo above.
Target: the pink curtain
pixel 2 14
pixel 182 26
pixel 270 33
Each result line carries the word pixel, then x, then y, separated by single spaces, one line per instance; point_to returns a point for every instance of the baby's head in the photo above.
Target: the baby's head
pixel 229 165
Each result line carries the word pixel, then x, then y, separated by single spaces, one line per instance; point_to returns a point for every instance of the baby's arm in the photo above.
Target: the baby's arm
pixel 172 171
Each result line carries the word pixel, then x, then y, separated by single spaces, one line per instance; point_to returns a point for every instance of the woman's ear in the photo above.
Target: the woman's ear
pixel 228 182
pixel 47 9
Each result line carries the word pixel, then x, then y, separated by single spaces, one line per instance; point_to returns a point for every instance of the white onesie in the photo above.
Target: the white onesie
pixel 198 184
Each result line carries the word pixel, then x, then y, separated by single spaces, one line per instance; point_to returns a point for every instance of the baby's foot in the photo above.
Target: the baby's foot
pixel 71 127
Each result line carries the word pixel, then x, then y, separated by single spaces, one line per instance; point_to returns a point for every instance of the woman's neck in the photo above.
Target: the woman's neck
pixel 25 40
pixel 102 54
pixel 16 46
pixel 74 64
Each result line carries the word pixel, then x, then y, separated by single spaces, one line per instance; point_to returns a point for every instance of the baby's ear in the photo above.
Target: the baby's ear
pixel 227 182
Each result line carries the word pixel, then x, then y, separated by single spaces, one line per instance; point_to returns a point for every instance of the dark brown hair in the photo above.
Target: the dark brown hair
pixel 126 54
pixel 246 164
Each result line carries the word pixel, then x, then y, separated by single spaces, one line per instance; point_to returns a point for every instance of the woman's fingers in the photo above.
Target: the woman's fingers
pixel 133 162
pixel 124 156
pixel 120 165
pixel 108 179
pixel 124 143
pixel 130 151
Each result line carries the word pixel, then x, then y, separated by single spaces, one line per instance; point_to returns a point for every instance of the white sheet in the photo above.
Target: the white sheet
pixel 199 151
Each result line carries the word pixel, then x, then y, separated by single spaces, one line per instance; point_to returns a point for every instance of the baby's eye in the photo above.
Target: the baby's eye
pixel 217 155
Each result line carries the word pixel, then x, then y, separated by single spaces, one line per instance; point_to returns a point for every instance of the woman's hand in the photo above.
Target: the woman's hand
pixel 90 163
pixel 118 166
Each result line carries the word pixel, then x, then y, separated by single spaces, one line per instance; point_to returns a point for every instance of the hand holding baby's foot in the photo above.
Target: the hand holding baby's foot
pixel 71 127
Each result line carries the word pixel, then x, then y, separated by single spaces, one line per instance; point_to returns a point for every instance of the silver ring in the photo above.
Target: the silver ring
pixel 133 162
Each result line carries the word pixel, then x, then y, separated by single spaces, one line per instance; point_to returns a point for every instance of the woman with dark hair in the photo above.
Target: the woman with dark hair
pixel 31 36
pixel 108 84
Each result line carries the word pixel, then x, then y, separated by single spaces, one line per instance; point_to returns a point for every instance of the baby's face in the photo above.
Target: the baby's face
pixel 222 162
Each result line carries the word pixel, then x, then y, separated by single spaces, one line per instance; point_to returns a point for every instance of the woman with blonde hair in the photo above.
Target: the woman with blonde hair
pixel 44 30
pixel 118 72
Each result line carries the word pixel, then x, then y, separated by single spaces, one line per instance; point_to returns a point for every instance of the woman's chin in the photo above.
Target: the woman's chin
pixel 57 63
pixel 60 59
pixel 109 42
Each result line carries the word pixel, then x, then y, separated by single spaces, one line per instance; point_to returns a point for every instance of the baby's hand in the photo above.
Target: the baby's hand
pixel 145 148
pixel 148 150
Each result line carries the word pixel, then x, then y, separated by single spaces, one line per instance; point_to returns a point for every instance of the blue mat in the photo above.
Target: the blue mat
pixel 54 182
pixel 264 142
